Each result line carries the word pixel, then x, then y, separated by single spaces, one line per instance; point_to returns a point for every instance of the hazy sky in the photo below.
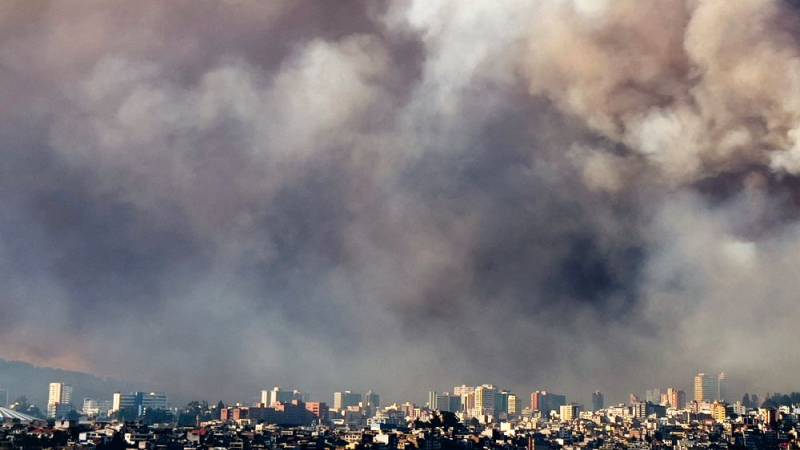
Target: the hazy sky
pixel 215 197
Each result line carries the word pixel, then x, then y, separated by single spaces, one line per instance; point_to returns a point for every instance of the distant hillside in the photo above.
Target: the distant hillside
pixel 21 378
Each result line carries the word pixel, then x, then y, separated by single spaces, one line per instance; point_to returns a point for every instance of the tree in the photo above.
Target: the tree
pixel 116 443
pixel 449 420
pixel 127 414
pixel 152 416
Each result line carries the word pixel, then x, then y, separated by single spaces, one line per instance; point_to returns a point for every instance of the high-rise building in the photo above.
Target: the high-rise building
pixel 153 400
pixel 96 408
pixel 639 409
pixel 122 402
pixel 554 401
pixel 59 399
pixel 443 401
pixel 597 401
pixel 501 402
pixel 769 416
pixel 372 401
pixel 466 396
pixel 265 394
pixel 484 400
pixel 137 403
pixel 455 404
pixel 469 402
pixel 277 395
pixel 705 388
pixel 653 395
pixel 546 401
pixel 676 398
pixel 299 396
pixel 722 387
pixel 513 405
pixel 432 400
pixel 462 390
pixel 318 409
pixel 719 411
pixel 3 397
pixel 536 400
pixel 570 411
pixel 342 400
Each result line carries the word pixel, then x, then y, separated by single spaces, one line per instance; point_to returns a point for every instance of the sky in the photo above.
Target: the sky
pixel 215 197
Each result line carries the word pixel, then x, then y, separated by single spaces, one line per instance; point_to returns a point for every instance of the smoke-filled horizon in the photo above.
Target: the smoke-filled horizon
pixel 216 197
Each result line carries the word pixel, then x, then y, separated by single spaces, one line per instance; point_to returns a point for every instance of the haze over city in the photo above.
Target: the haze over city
pixel 212 198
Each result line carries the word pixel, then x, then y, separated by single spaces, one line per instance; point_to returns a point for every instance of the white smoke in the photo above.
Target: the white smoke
pixel 694 88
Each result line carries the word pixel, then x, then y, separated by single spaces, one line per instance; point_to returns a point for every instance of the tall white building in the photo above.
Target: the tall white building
pixel 341 400
pixel 433 402
pixel 59 399
pixel 485 400
pixel 462 390
pixel 278 395
pixel 513 405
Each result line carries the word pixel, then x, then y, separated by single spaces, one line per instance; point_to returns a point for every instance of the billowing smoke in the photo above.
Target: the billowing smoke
pixel 216 197
pixel 693 88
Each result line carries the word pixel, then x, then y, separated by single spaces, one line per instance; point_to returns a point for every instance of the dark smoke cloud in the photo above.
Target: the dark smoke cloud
pixel 217 197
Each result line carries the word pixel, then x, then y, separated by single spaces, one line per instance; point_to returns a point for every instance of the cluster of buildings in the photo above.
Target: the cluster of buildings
pixel 59 400
pixel 411 427
pixel 484 402
pixel 465 418
pixel 293 408
pixel 710 396
pixel 126 406
pixel 476 401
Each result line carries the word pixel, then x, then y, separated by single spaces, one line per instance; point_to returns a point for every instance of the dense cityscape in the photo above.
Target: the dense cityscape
pixel 467 417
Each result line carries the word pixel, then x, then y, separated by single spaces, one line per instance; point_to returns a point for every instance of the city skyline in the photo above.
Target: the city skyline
pixel 483 399
pixel 208 196
pixel 312 425
pixel 486 403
